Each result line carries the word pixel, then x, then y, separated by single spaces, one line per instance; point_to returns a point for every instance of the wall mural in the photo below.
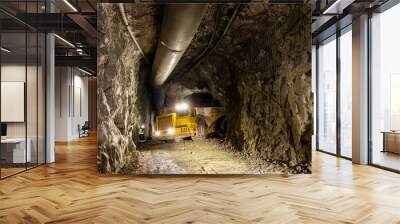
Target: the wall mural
pixel 204 89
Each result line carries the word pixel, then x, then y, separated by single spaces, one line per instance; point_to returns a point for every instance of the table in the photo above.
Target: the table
pixel 391 141
pixel 13 150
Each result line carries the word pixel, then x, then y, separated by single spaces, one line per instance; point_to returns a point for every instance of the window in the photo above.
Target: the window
pixel 385 89
pixel 334 109
pixel 346 92
pixel 326 105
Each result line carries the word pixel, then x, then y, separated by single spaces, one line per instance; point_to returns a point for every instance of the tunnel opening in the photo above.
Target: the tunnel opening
pixel 238 74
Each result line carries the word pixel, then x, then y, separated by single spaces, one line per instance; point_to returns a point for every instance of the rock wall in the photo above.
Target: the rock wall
pixel 261 73
pixel 123 96
pixel 273 82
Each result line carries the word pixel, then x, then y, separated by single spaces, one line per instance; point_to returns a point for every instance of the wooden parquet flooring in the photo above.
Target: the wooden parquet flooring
pixel 71 191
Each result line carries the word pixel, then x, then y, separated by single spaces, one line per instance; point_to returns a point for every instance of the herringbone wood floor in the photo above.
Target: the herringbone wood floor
pixel 71 191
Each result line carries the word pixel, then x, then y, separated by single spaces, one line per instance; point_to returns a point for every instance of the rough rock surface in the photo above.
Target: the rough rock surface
pixel 261 73
pixel 259 70
pixel 123 98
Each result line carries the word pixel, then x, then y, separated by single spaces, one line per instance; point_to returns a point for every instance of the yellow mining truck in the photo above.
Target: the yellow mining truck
pixel 186 122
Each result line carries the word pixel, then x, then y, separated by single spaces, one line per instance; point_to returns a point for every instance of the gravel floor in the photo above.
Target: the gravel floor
pixel 208 156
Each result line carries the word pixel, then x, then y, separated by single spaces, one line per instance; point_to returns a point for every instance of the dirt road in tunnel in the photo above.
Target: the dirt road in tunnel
pixel 208 156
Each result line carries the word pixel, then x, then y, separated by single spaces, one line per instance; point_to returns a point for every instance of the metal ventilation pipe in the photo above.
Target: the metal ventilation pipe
pixel 179 26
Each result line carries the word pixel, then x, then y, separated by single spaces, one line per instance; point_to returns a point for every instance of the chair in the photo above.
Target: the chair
pixel 84 130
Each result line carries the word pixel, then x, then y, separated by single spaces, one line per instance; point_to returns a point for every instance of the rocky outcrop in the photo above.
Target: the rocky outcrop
pixel 123 97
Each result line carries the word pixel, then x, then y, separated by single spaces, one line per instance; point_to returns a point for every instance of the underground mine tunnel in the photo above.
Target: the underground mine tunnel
pixel 204 88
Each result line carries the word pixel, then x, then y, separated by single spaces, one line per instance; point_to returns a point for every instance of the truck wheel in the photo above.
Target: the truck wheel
pixel 201 129
pixel 220 126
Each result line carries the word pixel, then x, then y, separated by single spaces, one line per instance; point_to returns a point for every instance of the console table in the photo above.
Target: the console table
pixel 13 150
pixel 391 141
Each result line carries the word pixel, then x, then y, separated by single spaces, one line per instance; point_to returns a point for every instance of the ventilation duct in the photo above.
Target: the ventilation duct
pixel 180 23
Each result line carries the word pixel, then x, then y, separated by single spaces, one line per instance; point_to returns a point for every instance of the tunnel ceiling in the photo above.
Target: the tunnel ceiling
pixel 223 32
pixel 187 75
pixel 145 20
pixel 224 37
pixel 184 80
pixel 229 39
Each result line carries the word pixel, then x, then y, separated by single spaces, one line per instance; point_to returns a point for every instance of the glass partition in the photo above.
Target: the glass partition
pixel 13 109
pixel 22 77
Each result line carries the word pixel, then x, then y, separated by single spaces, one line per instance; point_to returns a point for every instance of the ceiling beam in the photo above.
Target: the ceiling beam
pixel 84 24
pixel 83 61
pixel 337 7
pixel 49 22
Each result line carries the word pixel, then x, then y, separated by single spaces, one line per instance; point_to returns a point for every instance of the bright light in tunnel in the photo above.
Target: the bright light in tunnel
pixel 157 133
pixel 142 126
pixel 170 131
pixel 181 106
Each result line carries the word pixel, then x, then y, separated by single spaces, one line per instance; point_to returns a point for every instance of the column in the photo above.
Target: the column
pixel 360 90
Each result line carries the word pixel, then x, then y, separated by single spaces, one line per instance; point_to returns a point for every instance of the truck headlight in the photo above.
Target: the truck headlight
pixel 181 106
pixel 157 133
pixel 170 131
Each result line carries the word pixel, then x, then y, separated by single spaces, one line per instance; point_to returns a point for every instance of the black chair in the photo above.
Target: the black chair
pixel 84 130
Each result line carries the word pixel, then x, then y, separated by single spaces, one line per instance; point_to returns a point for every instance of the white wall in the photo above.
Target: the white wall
pixel 10 73
pixel 61 103
pixel 71 87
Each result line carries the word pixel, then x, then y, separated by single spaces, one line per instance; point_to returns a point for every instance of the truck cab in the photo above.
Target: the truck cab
pixel 185 122
pixel 176 125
